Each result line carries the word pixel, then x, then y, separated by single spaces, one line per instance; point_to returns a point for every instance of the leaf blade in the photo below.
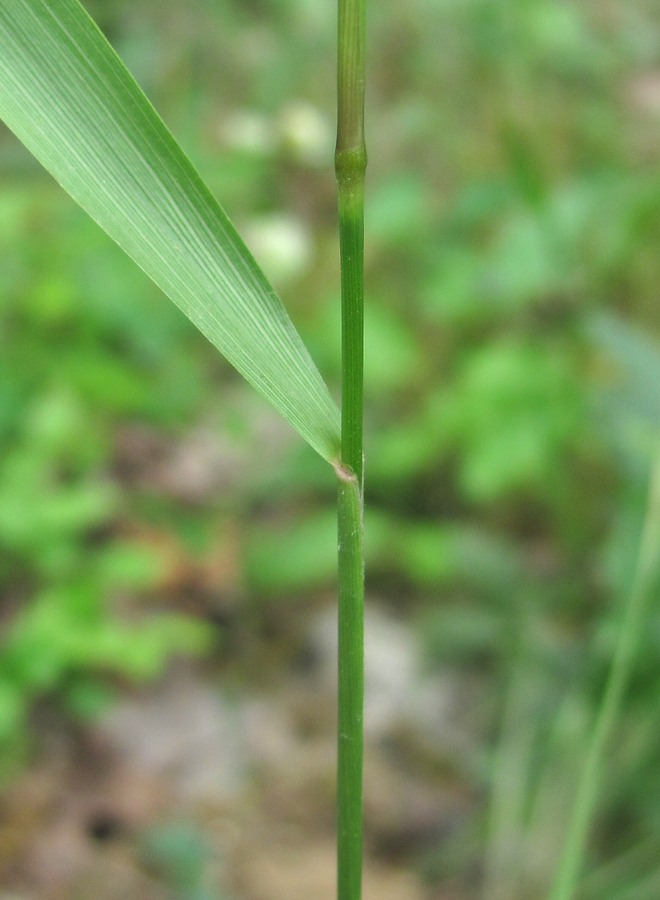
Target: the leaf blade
pixel 67 96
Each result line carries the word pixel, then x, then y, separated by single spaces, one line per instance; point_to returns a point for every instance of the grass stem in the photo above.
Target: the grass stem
pixel 350 166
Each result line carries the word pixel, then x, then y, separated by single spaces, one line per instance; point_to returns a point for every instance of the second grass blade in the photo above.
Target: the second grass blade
pixel 70 100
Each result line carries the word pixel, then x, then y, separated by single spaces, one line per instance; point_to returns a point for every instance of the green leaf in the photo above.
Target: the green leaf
pixel 70 100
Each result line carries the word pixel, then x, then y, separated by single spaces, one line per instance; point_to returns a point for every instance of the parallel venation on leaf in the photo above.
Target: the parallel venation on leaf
pixel 68 97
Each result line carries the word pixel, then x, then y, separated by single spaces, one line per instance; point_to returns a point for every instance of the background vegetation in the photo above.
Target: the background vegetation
pixel 152 507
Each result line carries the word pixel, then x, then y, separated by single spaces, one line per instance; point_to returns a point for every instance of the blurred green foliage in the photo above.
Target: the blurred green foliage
pixel 180 854
pixel 513 375
pixel 74 361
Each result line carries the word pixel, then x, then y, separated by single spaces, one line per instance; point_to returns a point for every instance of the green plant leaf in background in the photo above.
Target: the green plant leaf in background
pixel 68 97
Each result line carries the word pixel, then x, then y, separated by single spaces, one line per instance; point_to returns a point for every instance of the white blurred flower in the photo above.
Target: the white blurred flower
pixel 281 244
pixel 306 133
pixel 248 130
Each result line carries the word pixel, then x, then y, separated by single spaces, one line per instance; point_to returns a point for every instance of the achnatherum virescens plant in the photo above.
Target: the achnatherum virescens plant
pixel 68 97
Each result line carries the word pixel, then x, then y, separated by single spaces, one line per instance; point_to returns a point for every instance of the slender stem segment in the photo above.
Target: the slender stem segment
pixel 350 165
pixel 629 634
pixel 351 690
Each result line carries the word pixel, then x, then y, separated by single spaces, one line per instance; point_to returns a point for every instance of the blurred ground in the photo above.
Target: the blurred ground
pixel 254 771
